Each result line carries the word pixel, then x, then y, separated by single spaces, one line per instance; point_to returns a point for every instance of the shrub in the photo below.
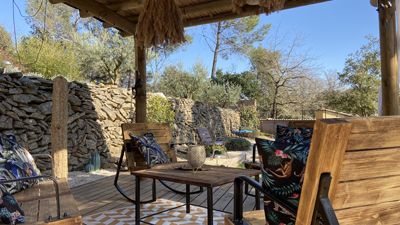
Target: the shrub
pixel 219 150
pixel 159 110
pixel 249 118
pixel 237 144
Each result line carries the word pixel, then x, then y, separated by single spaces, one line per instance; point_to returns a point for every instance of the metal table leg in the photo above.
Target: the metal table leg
pixel 257 196
pixel 187 198
pixel 137 202
pixel 210 211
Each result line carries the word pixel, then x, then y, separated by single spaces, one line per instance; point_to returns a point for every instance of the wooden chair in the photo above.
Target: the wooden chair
pixel 360 155
pixel 135 159
pixel 48 202
pixel 207 140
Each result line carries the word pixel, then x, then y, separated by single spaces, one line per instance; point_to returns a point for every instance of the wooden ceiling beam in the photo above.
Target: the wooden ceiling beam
pixel 126 5
pixel 247 11
pixel 84 14
pixel 101 12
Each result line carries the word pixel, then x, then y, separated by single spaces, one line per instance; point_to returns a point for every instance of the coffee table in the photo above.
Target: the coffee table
pixel 209 177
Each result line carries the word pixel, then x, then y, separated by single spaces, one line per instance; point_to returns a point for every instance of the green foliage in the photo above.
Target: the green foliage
pixel 219 150
pixel 56 58
pixel 237 144
pixel 179 83
pixel 249 118
pixel 160 110
pixel 106 57
pixel 250 85
pixel 5 40
pixel 360 80
pixel 224 95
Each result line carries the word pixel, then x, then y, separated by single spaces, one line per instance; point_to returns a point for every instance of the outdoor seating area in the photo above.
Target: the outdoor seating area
pixel 334 168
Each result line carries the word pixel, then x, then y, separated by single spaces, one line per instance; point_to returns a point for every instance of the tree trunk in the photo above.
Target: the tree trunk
pixel 274 105
pixel 216 51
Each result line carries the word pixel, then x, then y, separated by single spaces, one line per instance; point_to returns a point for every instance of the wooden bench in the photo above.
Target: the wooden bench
pixel 362 157
pixel 39 204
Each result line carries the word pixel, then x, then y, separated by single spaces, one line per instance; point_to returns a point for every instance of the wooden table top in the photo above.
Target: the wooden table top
pixel 211 176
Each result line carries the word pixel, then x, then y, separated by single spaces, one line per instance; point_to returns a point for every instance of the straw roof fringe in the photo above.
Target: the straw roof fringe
pixel 160 23
pixel 268 5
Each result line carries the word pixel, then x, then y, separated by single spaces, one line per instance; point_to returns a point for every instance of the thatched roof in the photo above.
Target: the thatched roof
pixel 124 14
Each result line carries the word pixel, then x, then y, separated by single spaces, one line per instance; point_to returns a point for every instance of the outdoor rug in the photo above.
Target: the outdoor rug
pixel 125 216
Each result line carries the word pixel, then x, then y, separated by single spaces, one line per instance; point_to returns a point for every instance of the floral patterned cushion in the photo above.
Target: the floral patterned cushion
pixel 15 162
pixel 151 151
pixel 282 174
pixel 290 135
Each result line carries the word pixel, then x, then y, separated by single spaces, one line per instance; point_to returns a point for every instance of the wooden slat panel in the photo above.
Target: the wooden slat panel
pixel 375 140
pixel 326 154
pixel 367 192
pixel 31 211
pixel 374 124
pixel 370 164
pixel 385 213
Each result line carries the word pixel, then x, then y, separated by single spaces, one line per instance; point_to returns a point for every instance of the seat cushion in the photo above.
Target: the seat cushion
pixel 291 135
pixel 151 151
pixel 283 167
pixel 15 162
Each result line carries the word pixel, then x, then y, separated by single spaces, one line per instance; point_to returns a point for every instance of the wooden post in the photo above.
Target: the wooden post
pixel 59 128
pixel 387 28
pixel 141 98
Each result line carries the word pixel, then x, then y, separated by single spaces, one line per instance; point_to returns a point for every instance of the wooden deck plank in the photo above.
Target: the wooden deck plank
pixel 101 195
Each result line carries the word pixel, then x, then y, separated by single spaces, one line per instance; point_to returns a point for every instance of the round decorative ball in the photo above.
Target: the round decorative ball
pixel 196 156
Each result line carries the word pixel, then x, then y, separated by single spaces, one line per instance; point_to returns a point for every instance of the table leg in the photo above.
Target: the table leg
pixel 137 200
pixel 154 189
pixel 187 198
pixel 257 196
pixel 210 211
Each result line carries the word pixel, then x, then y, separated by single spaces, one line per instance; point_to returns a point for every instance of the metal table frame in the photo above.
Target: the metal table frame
pixel 210 202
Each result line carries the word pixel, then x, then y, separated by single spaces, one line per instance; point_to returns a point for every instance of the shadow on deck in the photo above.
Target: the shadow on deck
pixel 101 195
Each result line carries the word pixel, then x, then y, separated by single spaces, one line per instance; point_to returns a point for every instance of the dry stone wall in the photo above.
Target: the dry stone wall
pixel 95 116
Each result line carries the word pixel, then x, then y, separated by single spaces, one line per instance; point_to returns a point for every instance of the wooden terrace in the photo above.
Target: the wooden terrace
pixel 100 195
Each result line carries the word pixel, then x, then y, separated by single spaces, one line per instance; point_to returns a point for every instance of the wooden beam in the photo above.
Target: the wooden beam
pixel 59 128
pixel 202 8
pixel 101 12
pixel 247 11
pixel 141 95
pixel 85 14
pixel 126 5
pixel 389 63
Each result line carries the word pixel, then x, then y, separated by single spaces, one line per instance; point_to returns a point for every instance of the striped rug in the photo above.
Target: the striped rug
pixel 177 216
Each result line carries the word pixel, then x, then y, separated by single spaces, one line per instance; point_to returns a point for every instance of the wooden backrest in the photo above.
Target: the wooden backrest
pixel 205 136
pixel 369 181
pixel 161 131
pixel 361 155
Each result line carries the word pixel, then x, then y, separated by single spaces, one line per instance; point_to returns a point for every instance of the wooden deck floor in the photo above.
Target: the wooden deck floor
pixel 101 195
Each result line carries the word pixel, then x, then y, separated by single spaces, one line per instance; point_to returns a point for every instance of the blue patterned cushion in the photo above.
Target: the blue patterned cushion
pixel 290 135
pixel 10 210
pixel 283 167
pixel 15 162
pixel 151 151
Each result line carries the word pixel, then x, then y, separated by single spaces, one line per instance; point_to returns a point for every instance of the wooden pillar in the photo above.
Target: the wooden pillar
pixel 141 98
pixel 59 127
pixel 387 28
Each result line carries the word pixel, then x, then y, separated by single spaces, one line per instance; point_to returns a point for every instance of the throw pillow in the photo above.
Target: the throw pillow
pixel 291 135
pixel 15 162
pixel 283 167
pixel 151 151
pixel 10 210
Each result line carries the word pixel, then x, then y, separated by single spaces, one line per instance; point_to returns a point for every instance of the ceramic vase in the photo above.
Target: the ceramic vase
pixel 196 156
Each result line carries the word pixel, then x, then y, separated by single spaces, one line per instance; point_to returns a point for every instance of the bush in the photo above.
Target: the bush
pixel 249 118
pixel 219 150
pixel 159 110
pixel 237 144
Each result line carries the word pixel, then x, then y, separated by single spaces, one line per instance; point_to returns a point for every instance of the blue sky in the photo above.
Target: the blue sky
pixel 330 32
